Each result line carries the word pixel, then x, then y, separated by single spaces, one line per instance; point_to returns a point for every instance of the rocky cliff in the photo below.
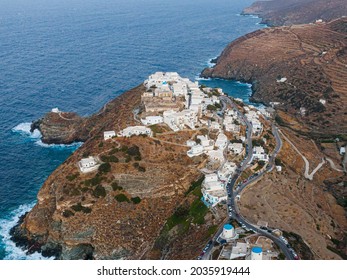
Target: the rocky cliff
pixel 288 12
pixel 311 61
pixel 118 211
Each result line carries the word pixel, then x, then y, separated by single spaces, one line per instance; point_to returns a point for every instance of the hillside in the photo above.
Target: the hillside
pixel 288 12
pixel 312 60
pixel 120 210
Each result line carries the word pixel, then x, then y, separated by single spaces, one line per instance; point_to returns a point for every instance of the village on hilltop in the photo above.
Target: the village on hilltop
pixel 181 104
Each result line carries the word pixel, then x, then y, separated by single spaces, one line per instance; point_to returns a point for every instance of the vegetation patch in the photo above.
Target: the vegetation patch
pixel 67 213
pixel 121 198
pixel 79 208
pixel 136 200
pixel 99 191
pixel 105 167
pixel 195 185
pixel 72 177
pixel 111 158
pixel 116 187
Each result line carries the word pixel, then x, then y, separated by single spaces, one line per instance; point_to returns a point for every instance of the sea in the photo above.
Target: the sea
pixel 79 54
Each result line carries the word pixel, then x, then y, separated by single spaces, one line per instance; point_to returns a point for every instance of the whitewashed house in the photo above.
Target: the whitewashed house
pixel 259 154
pixel 216 155
pixel 222 141
pixel 207 143
pixel 88 164
pixel 109 134
pixel 151 120
pixel 196 150
pixel 190 143
pixel 236 148
pixel 135 130
pixel 227 170
pixel 213 190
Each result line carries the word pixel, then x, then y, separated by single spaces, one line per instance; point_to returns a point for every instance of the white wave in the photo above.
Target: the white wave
pixel 198 78
pixel 24 129
pixel 244 84
pixel 74 145
pixel 12 251
pixel 211 64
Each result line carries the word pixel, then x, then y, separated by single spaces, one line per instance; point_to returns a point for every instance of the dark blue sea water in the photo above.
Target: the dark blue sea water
pixel 79 54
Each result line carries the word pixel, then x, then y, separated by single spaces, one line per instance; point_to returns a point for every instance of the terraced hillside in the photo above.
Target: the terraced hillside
pixel 312 58
pixel 287 12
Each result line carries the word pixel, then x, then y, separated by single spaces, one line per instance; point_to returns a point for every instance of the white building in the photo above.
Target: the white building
pixel 256 253
pixel 190 143
pixel 228 232
pixel 88 164
pixel 158 78
pixel 135 130
pixel 278 168
pixel 239 251
pixel 55 110
pixel 151 120
pixel 236 148
pixel 215 126
pixel 196 150
pixel 216 155
pixel 207 143
pixel 342 151
pixel 179 120
pixel 227 170
pixel 222 141
pixel 213 190
pixel 180 89
pixel 109 134
pixel 259 154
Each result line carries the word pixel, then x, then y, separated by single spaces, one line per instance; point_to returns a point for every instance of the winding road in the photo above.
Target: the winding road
pixel 233 211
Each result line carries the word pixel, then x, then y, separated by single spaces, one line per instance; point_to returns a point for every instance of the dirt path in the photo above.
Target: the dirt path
pixel 307 175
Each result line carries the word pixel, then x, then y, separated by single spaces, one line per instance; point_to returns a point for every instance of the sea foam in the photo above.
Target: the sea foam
pixel 12 252
pixel 24 129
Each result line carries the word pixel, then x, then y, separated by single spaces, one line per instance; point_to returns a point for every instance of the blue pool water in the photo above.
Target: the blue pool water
pixel 78 54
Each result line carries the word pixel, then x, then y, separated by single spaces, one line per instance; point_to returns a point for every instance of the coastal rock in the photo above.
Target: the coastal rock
pixel 302 67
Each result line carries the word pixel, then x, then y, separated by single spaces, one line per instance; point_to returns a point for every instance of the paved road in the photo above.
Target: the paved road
pixel 233 210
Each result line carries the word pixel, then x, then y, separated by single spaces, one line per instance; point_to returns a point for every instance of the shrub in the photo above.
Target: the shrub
pixel 136 200
pixel 113 151
pixel 124 149
pixel 77 207
pixel 72 177
pixel 105 167
pixel 278 161
pixel 94 181
pixel 99 191
pixel 101 144
pixel 121 198
pixel 116 187
pixel 138 158
pixel 134 151
pixel 141 169
pixel 68 213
